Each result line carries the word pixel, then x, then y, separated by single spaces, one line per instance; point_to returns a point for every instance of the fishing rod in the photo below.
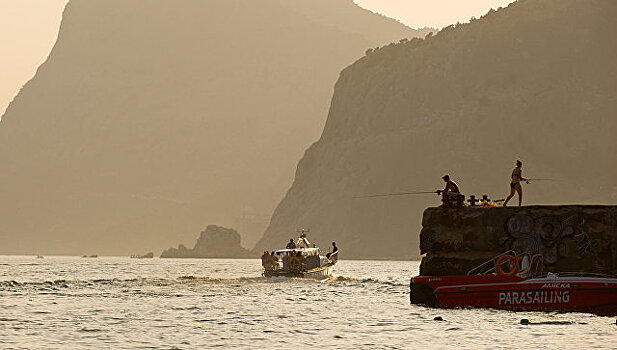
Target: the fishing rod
pixel 397 194
pixel 542 180
pixel 529 180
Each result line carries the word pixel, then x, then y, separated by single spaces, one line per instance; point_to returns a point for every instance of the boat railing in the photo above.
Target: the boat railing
pixel 490 266
pixel 536 267
pixel 272 264
pixel 578 274
pixel 333 257
pixel 524 265
pixel 280 262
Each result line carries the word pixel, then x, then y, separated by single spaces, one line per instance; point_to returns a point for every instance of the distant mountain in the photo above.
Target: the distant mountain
pixel 151 119
pixel 534 81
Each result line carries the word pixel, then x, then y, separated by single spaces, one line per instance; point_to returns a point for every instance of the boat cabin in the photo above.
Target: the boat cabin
pixel 309 257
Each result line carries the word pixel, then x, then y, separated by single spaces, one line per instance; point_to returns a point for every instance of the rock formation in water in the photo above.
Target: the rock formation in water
pixel 214 242
pixel 570 238
pixel 150 118
pixel 534 81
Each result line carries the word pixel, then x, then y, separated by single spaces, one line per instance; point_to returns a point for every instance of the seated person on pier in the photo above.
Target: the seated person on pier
pixel 451 188
pixel 451 195
pixel 303 242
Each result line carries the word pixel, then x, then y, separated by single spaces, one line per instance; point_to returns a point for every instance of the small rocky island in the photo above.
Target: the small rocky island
pixel 214 242
pixel 571 238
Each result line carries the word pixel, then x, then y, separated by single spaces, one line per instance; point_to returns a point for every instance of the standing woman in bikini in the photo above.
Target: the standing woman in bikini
pixel 515 185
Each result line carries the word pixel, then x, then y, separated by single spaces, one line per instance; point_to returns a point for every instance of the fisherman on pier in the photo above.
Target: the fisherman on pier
pixel 451 195
pixel 515 184
pixel 451 189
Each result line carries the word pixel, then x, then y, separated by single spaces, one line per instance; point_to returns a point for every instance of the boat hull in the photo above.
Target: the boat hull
pixel 581 294
pixel 319 273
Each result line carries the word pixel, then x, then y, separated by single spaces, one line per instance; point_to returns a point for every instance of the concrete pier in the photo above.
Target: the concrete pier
pixel 571 238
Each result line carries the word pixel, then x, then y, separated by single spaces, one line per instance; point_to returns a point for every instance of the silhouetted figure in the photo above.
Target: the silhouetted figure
pixel 451 190
pixel 515 184
pixel 334 250
pixel 451 196
pixel 291 244
pixel 264 258
pixel 275 259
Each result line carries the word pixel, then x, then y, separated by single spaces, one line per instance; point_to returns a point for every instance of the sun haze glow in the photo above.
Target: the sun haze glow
pixel 433 13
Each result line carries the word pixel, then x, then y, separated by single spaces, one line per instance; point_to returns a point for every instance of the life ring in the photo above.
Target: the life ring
pixel 295 263
pixel 513 265
pixel 270 264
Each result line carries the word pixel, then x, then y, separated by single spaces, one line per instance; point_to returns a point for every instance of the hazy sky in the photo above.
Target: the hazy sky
pixel 28 29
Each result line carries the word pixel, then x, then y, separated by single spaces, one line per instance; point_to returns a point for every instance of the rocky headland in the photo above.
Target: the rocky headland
pixel 533 81
pixel 214 242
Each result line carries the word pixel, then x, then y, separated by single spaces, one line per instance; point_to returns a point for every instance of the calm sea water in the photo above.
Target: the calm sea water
pixel 122 303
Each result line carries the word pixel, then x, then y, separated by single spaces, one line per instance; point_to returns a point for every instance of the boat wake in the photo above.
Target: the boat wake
pixel 12 285
pixel 186 281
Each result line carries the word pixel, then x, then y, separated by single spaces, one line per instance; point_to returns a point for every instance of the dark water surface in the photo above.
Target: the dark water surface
pixel 122 303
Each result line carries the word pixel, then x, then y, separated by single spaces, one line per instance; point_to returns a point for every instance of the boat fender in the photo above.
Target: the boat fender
pixel 512 265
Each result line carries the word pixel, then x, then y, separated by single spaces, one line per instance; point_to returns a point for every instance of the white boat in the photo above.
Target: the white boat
pixel 299 262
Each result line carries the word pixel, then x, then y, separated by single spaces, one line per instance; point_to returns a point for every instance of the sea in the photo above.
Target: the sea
pixel 123 303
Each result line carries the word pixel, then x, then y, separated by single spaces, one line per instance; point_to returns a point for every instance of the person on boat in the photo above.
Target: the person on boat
pixel 303 242
pixel 291 244
pixel 264 258
pixel 451 190
pixel 515 184
pixel 275 259
pixel 334 250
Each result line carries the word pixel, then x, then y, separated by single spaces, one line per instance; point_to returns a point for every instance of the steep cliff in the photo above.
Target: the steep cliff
pixel 151 118
pixel 214 242
pixel 534 81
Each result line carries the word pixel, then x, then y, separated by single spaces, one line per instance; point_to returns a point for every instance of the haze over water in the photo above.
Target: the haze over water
pixel 121 303
pixel 147 124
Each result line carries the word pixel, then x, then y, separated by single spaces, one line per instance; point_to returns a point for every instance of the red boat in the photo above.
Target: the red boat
pixel 508 286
